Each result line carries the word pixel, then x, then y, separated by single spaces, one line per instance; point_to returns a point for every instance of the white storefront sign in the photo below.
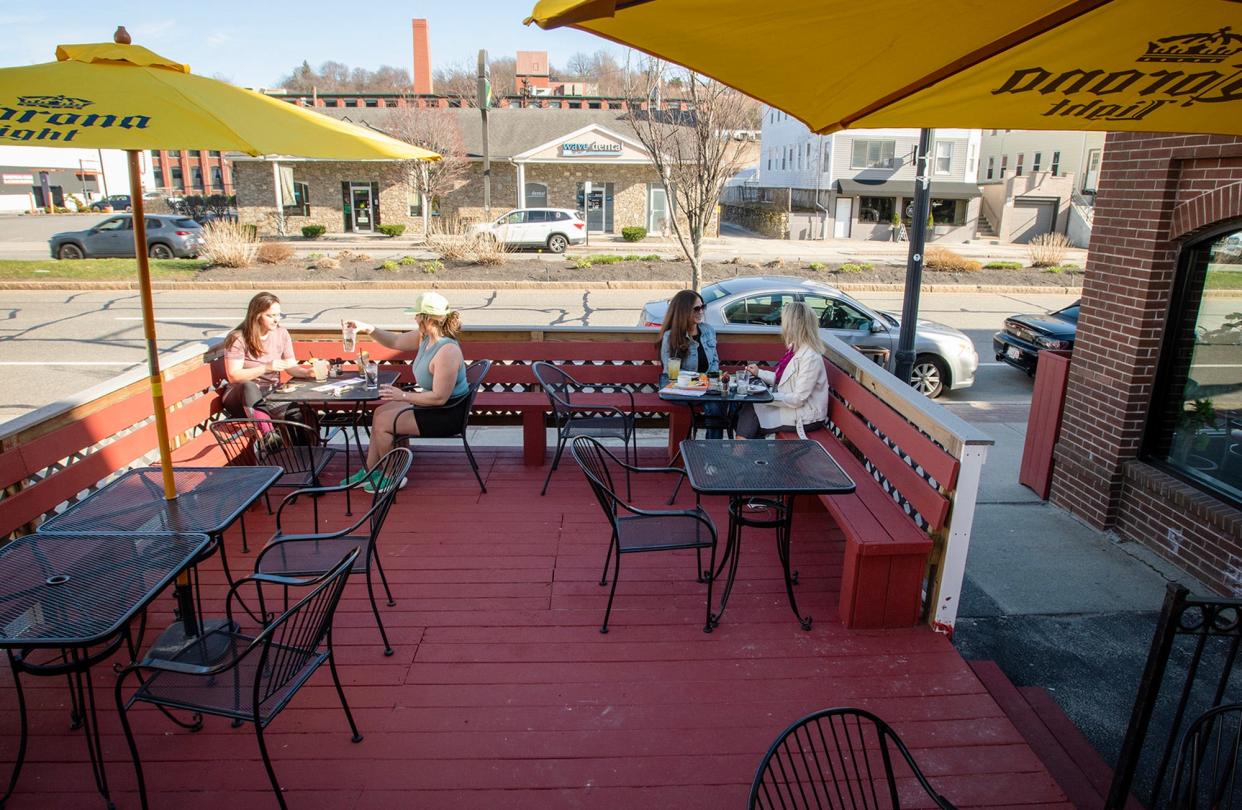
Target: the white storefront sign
pixel 17 179
pixel 576 149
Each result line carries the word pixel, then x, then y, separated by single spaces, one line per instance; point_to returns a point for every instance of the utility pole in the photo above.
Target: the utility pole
pixel 914 264
pixel 484 100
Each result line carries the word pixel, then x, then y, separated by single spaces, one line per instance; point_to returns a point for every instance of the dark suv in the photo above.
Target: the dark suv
pixel 168 237
pixel 1025 336
pixel 117 202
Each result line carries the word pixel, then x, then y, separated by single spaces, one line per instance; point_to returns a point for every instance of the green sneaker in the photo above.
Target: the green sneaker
pixel 355 478
pixel 384 483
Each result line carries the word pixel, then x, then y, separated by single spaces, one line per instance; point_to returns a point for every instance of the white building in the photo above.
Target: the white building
pixel 858 184
pixel 1035 182
pixel 87 174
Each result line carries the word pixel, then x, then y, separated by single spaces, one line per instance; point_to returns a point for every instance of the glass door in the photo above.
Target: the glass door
pixel 657 209
pixel 362 207
pixel 596 207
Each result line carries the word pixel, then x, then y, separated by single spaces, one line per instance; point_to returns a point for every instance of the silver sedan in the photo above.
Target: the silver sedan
pixel 946 359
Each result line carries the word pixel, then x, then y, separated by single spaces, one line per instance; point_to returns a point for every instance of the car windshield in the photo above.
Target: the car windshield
pixel 714 292
pixel 1070 313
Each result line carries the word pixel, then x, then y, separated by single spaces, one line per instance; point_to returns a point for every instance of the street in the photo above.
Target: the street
pixel 56 343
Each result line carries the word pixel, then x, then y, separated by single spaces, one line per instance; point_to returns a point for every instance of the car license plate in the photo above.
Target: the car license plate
pixel 1014 353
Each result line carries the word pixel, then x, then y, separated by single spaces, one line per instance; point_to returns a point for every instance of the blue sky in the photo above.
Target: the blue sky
pixel 255 43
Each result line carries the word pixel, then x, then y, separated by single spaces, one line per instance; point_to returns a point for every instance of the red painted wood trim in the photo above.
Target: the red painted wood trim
pixel 534 437
pixel 1044 423
pixel 933 458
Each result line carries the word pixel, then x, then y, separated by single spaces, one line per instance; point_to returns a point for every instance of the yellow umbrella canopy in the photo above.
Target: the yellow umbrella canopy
pixel 116 96
pixel 1109 65
pixel 122 96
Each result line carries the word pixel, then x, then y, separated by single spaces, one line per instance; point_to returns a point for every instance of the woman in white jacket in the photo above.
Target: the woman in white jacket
pixel 799 384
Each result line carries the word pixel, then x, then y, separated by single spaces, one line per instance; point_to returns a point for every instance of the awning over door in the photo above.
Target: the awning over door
pixel 943 190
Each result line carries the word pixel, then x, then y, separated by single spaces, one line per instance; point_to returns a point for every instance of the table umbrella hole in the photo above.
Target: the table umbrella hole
pixel 58 579
pixel 761 463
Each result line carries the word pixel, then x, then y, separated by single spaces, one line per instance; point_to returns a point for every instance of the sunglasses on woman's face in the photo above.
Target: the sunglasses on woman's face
pixel 699 308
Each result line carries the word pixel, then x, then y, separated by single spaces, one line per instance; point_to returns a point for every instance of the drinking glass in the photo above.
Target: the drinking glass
pixel 674 367
pixel 743 380
pixel 320 369
pixel 349 336
pixel 371 370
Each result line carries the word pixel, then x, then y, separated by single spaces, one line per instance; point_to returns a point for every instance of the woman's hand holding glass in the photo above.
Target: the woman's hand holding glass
pixel 752 369
pixel 391 393
pixel 362 326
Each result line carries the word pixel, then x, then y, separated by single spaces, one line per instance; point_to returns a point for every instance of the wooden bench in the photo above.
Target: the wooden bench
pixel 886 552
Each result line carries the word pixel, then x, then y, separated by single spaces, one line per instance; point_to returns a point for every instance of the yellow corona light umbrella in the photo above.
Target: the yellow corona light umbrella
pixel 1110 65
pixel 122 96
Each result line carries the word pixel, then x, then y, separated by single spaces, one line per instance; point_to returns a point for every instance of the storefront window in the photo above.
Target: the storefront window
pixel 875 209
pixel 1198 433
pixel 536 195
pixel 948 212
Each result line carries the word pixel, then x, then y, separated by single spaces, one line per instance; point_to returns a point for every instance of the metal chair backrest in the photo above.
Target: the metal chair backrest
pixel 294 638
pixel 475 374
pixel 391 469
pixel 1208 762
pixel 558 385
pixel 834 758
pixel 283 444
pixel 594 459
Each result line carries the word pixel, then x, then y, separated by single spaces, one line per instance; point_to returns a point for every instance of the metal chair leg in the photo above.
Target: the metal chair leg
pixel 24 731
pixel 603 577
pixel 340 692
pixel 616 575
pixel 267 764
pixel 380 567
pixel 560 448
pixel 474 465
pixel 123 710
pixel 379 622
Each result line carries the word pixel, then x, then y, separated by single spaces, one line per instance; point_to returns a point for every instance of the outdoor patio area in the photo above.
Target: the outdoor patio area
pixel 503 693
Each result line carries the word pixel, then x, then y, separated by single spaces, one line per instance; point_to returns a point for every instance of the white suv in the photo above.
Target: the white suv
pixel 553 228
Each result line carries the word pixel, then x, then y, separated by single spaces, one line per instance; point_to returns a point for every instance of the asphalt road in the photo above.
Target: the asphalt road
pixel 56 343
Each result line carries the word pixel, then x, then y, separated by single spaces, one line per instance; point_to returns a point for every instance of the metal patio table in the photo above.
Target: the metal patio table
pixel 770 474
pixel 753 395
pixel 209 500
pixel 76 595
pixel 335 392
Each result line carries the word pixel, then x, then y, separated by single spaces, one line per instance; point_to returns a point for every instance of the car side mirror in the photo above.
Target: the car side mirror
pixel 875 327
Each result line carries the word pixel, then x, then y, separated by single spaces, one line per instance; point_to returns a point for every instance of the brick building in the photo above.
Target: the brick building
pixel 191 171
pixel 1151 439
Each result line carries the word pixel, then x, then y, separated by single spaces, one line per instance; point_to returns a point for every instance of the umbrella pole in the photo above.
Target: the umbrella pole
pixel 148 322
pixel 914 264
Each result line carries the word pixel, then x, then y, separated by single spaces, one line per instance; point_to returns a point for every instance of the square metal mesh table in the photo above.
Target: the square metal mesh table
pixel 760 467
pixel 304 390
pixel 208 500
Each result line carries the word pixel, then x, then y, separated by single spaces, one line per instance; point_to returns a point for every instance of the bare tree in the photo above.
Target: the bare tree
pixel 434 129
pixel 461 79
pixel 694 151
pixel 335 77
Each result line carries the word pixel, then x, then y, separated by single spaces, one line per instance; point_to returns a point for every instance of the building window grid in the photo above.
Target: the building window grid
pixel 1017 166
pixel 872 154
pixel 1037 161
pixel 1004 165
pixel 1056 164
pixel 943 157
pixel 991 166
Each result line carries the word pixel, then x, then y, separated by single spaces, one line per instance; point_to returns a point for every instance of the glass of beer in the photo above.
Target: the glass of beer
pixel 349 336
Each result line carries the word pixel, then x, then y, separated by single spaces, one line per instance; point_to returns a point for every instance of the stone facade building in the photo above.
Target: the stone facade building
pixel 539 158
pixel 1151 439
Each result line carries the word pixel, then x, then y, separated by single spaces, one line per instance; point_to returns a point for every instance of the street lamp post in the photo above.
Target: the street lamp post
pixel 914 263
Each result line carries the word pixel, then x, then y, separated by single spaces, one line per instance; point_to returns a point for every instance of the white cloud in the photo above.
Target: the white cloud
pixel 218 38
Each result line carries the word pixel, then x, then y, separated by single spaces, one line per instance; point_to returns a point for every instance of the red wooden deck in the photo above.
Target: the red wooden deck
pixel 503 694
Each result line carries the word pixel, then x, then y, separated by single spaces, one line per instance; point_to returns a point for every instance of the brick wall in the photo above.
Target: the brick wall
pixel 1156 192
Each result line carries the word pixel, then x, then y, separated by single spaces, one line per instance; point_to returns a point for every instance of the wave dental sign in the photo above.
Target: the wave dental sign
pixel 579 149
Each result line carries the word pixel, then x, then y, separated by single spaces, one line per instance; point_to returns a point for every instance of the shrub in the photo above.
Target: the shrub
pixel 388 265
pixel 777 262
pixel 634 233
pixel 251 229
pixel 432 266
pixel 313 256
pixel 582 264
pixel 390 231
pixel 325 263
pixel 943 260
pixel 227 244
pixel 488 251
pixel 605 258
pixel 816 266
pixel 274 253
pixel 1003 266
pixel 631 257
pixel 1047 249
pixel 406 261
pixel 314 231
pixel 854 267
pixel 650 257
pixel 1054 269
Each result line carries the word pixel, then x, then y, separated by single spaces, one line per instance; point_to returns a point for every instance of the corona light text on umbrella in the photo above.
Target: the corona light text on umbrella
pixel 122 96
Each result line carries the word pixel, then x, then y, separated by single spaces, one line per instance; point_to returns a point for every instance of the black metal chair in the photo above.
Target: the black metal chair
pixel 835 758
pixel 581 418
pixel 294 447
pixel 308 554
pixel 1208 761
pixel 636 530
pixel 475 372
pixel 251 677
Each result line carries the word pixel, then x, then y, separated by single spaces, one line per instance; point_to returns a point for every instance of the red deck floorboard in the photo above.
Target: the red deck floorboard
pixel 502 692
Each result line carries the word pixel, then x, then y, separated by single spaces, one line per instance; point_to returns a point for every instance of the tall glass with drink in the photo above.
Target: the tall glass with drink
pixel 349 336
pixel 371 374
pixel 674 368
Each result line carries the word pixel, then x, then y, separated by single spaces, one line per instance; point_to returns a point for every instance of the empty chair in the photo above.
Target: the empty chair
pixel 455 415
pixel 307 554
pixel 835 758
pixel 1206 775
pixel 252 677
pixel 575 416
pixel 636 530
pixel 292 446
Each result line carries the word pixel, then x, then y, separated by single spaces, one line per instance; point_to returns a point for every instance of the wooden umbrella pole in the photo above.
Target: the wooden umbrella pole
pixel 148 322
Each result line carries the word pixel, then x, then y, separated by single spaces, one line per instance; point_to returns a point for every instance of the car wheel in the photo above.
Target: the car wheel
pixel 160 251
pixel 557 243
pixel 929 376
pixel 69 251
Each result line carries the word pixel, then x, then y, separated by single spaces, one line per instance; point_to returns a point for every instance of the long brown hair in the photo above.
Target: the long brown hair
pixel 248 330
pixel 678 321
pixel 449 325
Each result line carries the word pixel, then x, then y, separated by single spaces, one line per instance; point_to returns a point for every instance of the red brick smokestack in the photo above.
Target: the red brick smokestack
pixel 422 58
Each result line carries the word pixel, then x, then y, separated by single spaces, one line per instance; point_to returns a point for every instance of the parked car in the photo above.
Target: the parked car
pixel 117 202
pixel 946 359
pixel 553 228
pixel 167 237
pixel 1025 336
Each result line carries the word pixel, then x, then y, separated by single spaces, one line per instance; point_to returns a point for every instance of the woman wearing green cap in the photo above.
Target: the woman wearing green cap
pixel 439 369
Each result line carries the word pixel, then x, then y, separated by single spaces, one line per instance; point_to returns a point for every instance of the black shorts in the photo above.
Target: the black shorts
pixel 439 423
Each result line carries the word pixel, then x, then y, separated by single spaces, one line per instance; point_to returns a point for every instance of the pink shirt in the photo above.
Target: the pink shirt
pixel 277 345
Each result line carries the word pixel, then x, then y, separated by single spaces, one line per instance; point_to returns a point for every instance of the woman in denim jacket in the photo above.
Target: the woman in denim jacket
pixel 684 335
